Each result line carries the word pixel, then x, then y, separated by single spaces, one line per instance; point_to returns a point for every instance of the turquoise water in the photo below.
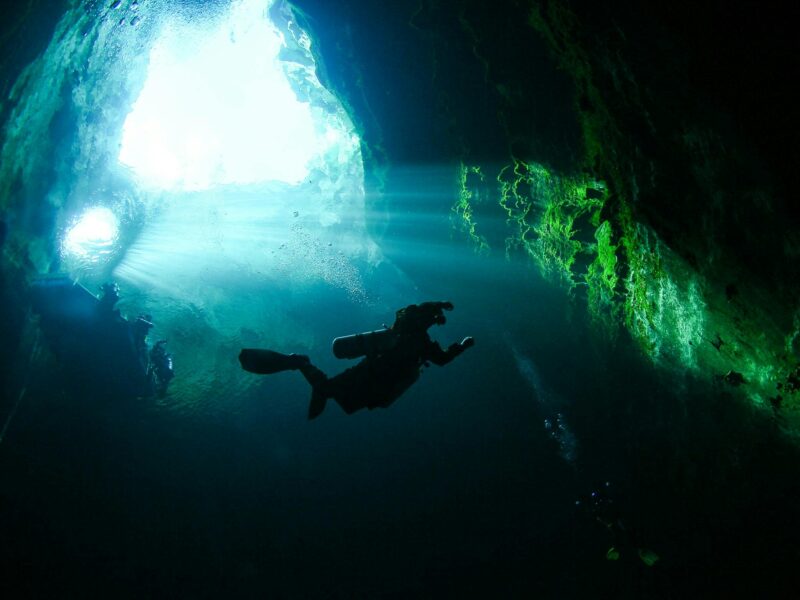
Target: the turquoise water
pixel 478 481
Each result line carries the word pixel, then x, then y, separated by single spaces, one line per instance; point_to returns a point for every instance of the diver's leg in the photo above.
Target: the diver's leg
pixel 314 376
pixel 266 362
pixel 352 387
pixel 320 391
pixel 344 388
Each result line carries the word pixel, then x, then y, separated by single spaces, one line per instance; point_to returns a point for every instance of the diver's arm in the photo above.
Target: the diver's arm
pixel 441 357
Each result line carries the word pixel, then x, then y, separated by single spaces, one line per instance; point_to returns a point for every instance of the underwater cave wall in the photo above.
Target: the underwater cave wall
pixel 700 212
pixel 605 143
pixel 25 31
pixel 63 132
pixel 63 97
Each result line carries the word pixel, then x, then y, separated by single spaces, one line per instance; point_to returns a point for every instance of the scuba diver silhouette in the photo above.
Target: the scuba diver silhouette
pixel 161 370
pixel 394 358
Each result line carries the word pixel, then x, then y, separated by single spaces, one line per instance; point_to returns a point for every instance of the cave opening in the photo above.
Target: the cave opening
pixel 275 174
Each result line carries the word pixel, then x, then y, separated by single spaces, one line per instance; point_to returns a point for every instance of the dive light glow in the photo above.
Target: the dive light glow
pixel 216 108
pixel 93 236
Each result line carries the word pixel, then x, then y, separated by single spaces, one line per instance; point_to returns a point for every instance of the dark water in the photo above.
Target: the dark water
pixel 456 489
pixel 465 487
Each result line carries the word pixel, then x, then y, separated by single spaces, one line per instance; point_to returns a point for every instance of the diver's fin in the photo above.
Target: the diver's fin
pixel 266 362
pixel 316 406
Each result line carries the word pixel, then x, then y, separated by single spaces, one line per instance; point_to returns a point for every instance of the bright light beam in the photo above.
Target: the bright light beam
pixel 217 109
pixel 229 240
pixel 93 236
pixel 248 188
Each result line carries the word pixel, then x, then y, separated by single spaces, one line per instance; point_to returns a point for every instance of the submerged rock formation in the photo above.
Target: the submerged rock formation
pixel 640 158
pixel 643 160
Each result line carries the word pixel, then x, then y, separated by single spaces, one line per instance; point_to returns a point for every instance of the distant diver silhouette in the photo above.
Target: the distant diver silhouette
pixel 100 350
pixel 394 358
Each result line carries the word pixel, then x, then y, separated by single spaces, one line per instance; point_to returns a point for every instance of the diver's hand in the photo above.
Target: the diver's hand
pixel 468 342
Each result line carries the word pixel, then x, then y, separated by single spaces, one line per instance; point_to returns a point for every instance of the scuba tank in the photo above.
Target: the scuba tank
pixel 368 343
